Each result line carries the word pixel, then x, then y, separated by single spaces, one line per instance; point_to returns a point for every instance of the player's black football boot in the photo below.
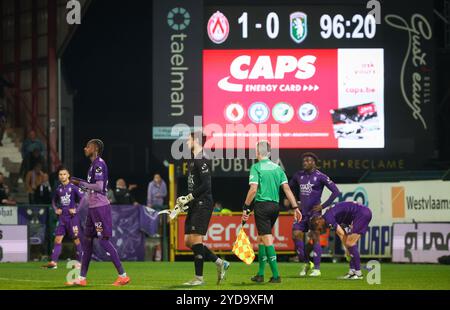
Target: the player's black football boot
pixel 275 280
pixel 258 279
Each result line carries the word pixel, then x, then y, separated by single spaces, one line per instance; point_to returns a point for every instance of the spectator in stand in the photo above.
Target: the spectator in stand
pixel 4 193
pixel 33 179
pixel 32 143
pixel 156 192
pixel 43 193
pixel 110 196
pixel 218 207
pixel 31 160
pixel 124 195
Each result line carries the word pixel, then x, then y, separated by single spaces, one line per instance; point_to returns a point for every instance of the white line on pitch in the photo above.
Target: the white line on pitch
pixel 25 280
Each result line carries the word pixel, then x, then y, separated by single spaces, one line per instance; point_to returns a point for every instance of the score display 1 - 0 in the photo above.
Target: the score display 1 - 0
pixel 358 27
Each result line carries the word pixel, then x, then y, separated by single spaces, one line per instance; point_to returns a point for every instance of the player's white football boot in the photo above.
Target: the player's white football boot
pixel 195 282
pixel 222 270
pixel 357 276
pixel 306 268
pixel 315 273
pixel 347 276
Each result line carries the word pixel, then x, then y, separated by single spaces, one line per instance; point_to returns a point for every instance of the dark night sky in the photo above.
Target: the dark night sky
pixel 108 63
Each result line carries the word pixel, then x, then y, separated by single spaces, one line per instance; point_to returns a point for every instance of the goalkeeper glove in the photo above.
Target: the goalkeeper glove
pixel 184 200
pixel 174 212
pixel 177 210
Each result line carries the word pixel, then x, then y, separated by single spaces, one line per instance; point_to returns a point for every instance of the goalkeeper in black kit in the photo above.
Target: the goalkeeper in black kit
pixel 200 208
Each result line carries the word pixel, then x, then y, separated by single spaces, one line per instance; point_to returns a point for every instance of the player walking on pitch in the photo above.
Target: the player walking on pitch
pixel 200 203
pixel 265 180
pixel 308 184
pixel 351 221
pixel 99 221
pixel 65 201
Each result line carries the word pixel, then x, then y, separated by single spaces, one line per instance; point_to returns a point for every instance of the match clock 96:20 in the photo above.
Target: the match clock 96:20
pixel 336 26
pixel 286 26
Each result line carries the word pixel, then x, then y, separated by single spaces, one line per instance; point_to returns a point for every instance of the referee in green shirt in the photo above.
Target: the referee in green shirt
pixel 265 180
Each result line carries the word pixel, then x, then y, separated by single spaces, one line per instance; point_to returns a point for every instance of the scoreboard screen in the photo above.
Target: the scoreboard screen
pixel 295 74
pixel 327 76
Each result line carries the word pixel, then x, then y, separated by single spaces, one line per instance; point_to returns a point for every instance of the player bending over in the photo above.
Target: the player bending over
pixel 65 203
pixel 265 180
pixel 98 221
pixel 200 203
pixel 308 184
pixel 356 218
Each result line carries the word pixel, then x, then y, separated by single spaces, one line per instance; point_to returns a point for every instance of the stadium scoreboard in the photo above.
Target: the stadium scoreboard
pixel 353 76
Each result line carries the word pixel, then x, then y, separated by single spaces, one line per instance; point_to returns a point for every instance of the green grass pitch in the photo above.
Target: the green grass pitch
pixel 170 276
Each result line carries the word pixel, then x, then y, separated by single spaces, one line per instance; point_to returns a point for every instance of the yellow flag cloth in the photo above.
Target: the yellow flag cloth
pixel 242 248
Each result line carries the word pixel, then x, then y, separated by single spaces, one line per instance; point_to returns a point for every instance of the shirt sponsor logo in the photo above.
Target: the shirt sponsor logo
pixel 306 189
pixel 65 200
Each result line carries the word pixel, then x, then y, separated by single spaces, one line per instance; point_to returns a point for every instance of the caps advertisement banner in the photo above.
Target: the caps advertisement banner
pixel 327 98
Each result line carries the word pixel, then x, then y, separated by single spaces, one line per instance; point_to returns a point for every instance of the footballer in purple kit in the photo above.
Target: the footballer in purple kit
pixel 351 221
pixel 308 185
pixel 65 204
pixel 99 219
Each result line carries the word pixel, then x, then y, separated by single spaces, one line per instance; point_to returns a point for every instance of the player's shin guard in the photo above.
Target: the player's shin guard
pixel 88 245
pixel 354 253
pixel 111 250
pixel 272 257
pixel 199 254
pixel 317 249
pixel 262 259
pixel 56 252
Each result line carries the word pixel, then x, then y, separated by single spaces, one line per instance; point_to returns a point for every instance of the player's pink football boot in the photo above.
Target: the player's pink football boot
pixel 77 282
pixel 51 265
pixel 120 281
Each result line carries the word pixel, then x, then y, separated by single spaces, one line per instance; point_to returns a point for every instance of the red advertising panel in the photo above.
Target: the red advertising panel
pixel 320 98
pixel 223 230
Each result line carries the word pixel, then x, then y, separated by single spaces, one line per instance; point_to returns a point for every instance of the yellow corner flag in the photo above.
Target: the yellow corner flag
pixel 242 248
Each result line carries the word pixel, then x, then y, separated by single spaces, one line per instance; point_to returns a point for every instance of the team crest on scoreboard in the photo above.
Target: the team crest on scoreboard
pixel 298 26
pixel 218 28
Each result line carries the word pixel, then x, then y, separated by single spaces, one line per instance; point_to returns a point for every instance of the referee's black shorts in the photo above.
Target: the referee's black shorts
pixel 198 217
pixel 266 214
